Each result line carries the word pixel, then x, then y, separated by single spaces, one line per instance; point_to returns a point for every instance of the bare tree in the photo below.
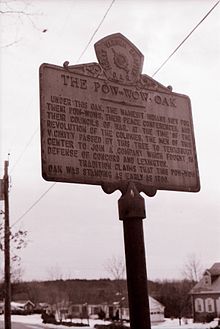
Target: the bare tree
pixel 17 272
pixel 193 268
pixel 55 273
pixel 13 15
pixel 18 242
pixel 115 266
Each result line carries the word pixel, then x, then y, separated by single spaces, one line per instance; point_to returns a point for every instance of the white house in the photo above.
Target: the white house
pixel 22 307
pixel 156 310
pixel 110 311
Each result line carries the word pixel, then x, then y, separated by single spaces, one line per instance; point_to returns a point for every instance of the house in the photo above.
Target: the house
pixel 156 310
pixel 116 310
pixel 206 295
pixel 77 311
pixel 22 307
pixel 41 307
pixel 19 307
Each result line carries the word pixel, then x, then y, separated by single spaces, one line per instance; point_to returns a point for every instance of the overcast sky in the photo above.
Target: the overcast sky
pixel 75 228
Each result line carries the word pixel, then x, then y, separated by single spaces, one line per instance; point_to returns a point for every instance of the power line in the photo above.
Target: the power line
pixel 29 209
pixel 24 149
pixel 31 138
pixel 34 204
pixel 83 52
pixel 31 101
pixel 96 30
pixel 175 50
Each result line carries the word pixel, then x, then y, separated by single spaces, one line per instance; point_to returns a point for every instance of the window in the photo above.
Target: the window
pixel 209 305
pixel 199 305
pixel 207 279
pixel 75 308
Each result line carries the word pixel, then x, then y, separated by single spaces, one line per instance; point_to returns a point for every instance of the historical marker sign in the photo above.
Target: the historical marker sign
pixel 108 124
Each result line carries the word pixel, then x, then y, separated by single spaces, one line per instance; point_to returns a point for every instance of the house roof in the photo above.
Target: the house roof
pixel 15 305
pixel 214 286
pixel 154 304
pixel 24 302
pixel 19 303
pixel 215 269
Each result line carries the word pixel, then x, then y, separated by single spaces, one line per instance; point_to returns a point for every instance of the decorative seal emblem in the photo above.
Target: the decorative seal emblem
pixel 121 61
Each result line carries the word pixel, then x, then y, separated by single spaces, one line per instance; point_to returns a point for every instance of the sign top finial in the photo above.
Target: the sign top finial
pixel 121 61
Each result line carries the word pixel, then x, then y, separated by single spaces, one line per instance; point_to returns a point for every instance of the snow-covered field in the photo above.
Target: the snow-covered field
pixel 168 323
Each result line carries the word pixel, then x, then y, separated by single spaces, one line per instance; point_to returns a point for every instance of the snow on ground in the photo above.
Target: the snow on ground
pixel 174 324
pixel 168 323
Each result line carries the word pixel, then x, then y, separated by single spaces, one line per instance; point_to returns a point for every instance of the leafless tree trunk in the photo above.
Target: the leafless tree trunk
pixel 55 273
pixel 193 269
pixel 115 266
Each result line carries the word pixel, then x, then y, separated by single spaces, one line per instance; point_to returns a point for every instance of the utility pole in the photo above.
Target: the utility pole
pixel 7 310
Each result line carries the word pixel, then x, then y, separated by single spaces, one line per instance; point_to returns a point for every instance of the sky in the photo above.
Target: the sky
pixel 74 229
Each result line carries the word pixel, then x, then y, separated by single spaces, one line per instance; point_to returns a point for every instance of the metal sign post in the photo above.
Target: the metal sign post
pixel 108 124
pixel 132 212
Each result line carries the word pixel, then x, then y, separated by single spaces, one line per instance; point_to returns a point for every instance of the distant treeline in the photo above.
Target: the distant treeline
pixel 174 295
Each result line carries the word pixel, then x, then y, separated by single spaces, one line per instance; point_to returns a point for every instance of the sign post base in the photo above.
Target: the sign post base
pixel 132 212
